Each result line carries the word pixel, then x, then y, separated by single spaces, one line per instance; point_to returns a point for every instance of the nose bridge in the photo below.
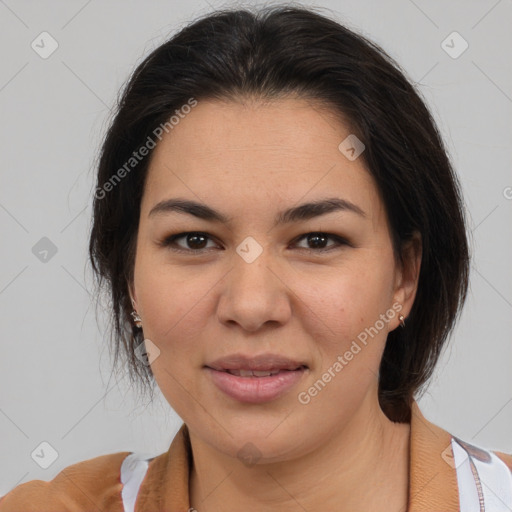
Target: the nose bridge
pixel 254 295
pixel 251 264
pixel 251 272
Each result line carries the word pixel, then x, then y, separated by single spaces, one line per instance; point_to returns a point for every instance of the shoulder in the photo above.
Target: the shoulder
pixel 447 471
pixel 506 458
pixel 484 476
pixel 93 484
pixel 489 457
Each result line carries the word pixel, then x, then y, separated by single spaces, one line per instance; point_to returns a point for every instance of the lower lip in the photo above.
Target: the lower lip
pixel 256 390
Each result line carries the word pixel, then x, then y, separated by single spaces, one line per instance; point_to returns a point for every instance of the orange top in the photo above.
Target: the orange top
pixel 436 477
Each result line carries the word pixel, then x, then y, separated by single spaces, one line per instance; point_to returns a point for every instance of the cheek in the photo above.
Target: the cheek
pixel 349 306
pixel 349 352
pixel 174 316
pixel 173 306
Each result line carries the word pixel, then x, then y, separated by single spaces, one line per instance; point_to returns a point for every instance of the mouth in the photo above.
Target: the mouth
pixel 258 379
pixel 266 363
pixel 259 373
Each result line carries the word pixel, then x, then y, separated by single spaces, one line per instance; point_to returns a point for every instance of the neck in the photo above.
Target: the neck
pixel 362 466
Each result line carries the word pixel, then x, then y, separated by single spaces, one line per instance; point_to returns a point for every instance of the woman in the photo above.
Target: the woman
pixel 284 243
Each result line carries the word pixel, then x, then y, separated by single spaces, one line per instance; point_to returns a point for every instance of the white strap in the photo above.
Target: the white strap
pixel 485 481
pixel 133 471
pixel 468 492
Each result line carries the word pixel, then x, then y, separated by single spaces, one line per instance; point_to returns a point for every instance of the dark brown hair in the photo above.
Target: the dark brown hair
pixel 271 53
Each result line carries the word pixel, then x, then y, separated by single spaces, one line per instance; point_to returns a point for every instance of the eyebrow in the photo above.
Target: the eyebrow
pixel 297 213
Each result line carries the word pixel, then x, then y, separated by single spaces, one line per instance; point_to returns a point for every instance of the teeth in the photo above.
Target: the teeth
pixel 264 374
pixel 253 373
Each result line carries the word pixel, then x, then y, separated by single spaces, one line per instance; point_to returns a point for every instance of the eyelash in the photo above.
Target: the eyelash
pixel 170 240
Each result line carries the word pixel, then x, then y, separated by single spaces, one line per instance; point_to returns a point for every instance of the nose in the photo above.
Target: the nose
pixel 255 294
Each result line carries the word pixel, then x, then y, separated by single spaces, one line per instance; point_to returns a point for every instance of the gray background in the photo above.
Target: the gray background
pixel 55 365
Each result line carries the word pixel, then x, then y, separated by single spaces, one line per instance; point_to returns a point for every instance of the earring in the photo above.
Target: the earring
pixel 136 319
pixel 402 320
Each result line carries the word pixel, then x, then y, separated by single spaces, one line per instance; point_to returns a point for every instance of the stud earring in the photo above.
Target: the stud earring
pixel 136 319
pixel 402 320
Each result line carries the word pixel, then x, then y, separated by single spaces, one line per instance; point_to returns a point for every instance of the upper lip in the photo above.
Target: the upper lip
pixel 260 362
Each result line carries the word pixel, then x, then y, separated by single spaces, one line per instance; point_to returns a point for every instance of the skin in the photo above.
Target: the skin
pixel 250 160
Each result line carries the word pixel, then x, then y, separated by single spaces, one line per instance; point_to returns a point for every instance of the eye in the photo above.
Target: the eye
pixel 318 241
pixel 196 241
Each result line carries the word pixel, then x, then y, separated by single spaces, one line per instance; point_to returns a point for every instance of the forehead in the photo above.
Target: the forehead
pixel 279 151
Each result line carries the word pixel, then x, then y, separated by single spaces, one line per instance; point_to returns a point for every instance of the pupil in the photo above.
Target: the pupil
pixel 193 241
pixel 316 238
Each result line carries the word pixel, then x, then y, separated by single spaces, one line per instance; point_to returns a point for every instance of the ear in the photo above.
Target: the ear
pixel 408 273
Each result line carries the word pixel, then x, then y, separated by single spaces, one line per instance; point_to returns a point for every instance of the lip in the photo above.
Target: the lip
pixel 254 389
pixel 261 362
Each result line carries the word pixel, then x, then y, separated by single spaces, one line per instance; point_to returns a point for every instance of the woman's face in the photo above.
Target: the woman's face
pixel 252 291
